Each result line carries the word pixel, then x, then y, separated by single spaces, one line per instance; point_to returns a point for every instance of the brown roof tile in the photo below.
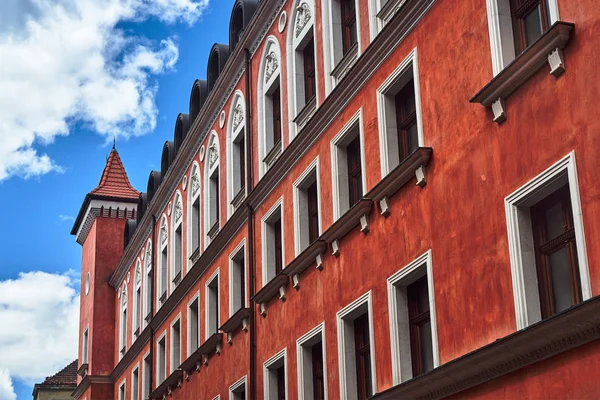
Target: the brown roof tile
pixel 65 377
pixel 114 181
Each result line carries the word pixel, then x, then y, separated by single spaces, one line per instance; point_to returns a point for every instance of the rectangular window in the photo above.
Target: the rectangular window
pixel 238 281
pixel 240 149
pixel 146 377
pixel 277 243
pixel 178 251
pixel 175 345
pixel 122 391
pixel 311 365
pixel 214 200
pixel 196 224
pixel 347 166
pixel 348 17
pixel 556 253
pixel 85 344
pixel 212 305
pixel 356 358
pixel 275 377
pixel 530 20
pixel 148 291
pixel 419 320
pixel 193 326
pixel 312 195
pixel 412 320
pixel 308 56
pixel 306 208
pixel 272 242
pixel 136 311
pixel 135 384
pixel 161 361
pixel 406 120
pixel 123 331
pixel 237 391
pixel 318 380
pixel 163 274
pixel 276 113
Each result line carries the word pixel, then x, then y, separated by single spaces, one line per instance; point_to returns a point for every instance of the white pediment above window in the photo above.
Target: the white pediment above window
pixel 303 18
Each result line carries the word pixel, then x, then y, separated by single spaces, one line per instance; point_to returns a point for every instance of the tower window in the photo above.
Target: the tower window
pixel 530 20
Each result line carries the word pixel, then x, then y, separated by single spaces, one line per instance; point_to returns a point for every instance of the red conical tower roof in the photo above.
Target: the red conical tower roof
pixel 114 181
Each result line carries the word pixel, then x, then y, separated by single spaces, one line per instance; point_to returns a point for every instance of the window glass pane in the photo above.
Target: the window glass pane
pixel 533 25
pixel 412 138
pixel 426 346
pixel 555 219
pixel 561 281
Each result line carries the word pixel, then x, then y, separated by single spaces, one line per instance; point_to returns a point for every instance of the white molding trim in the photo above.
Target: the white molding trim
pixel 191 198
pixel 188 328
pixel 157 370
pixel 401 353
pixel 145 390
pixel 409 65
pixel 175 224
pixel 176 319
pixel 281 355
pixel 501 31
pixel 312 167
pixel 522 258
pixel 319 330
pixel 341 317
pixel 161 247
pixel 263 223
pixel 232 255
pixel 339 138
pixel 213 138
pixel 147 282
pixel 232 134
pixel 135 367
pixel 215 275
pixel 238 384
pixel 123 385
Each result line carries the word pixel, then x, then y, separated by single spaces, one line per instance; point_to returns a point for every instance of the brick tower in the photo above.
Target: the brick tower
pixel 99 229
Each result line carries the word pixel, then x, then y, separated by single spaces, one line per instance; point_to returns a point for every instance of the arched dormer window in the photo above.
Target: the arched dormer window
pixel 197 98
pixel 148 283
pixel 137 300
pixel 123 322
pixel 302 81
pixel 182 126
pixel 216 62
pixel 163 261
pixel 177 238
pixel 154 181
pixel 193 215
pixel 212 188
pixel 130 227
pixel 168 155
pixel 141 206
pixel 240 17
pixel 270 125
pixel 236 152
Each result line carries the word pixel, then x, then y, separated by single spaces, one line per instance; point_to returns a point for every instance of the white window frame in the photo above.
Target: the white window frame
pixel 135 382
pixel 295 75
pixel 176 223
pixel 332 38
pixel 233 292
pixel 301 206
pixel 209 170
pixel 195 173
pixel 347 382
pixel 501 31
pixel 376 23
pixel 306 341
pixel 136 317
pixel 123 389
pixel 189 326
pixel 265 225
pixel 242 382
pixel 281 356
pixel 172 366
pixel 264 109
pixel 157 380
pixel 163 244
pixel 339 141
pixel 386 110
pixel 398 304
pixel 123 321
pixel 520 237
pixel 147 293
pixel 233 134
pixel 208 303
pixel 145 388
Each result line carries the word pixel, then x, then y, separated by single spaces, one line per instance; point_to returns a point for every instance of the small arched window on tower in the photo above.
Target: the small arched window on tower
pixel 123 322
pixel 303 81
pixel 137 301
pixel 212 180
pixel 163 261
pixel 193 224
pixel 177 237
pixel 236 153
pixel 148 283
pixel 270 127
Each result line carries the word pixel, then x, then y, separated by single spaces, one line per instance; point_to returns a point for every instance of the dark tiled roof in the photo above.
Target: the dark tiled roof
pixel 114 181
pixel 65 377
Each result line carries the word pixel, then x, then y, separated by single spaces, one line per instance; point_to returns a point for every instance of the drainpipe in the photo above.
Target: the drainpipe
pixel 151 353
pixel 248 97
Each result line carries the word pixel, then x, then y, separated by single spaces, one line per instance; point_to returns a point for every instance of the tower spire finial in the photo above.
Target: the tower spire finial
pixel 114 141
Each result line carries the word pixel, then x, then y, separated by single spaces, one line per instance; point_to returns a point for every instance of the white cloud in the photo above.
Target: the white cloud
pixel 7 392
pixel 40 326
pixel 69 61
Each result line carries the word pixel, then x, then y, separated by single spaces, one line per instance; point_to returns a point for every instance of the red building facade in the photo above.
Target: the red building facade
pixel 367 198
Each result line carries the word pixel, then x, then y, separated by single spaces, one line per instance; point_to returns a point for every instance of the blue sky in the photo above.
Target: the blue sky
pixel 38 210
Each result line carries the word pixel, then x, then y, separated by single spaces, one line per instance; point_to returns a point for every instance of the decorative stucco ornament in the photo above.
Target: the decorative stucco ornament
pixel 272 63
pixel 302 17
pixel 213 155
pixel 238 116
